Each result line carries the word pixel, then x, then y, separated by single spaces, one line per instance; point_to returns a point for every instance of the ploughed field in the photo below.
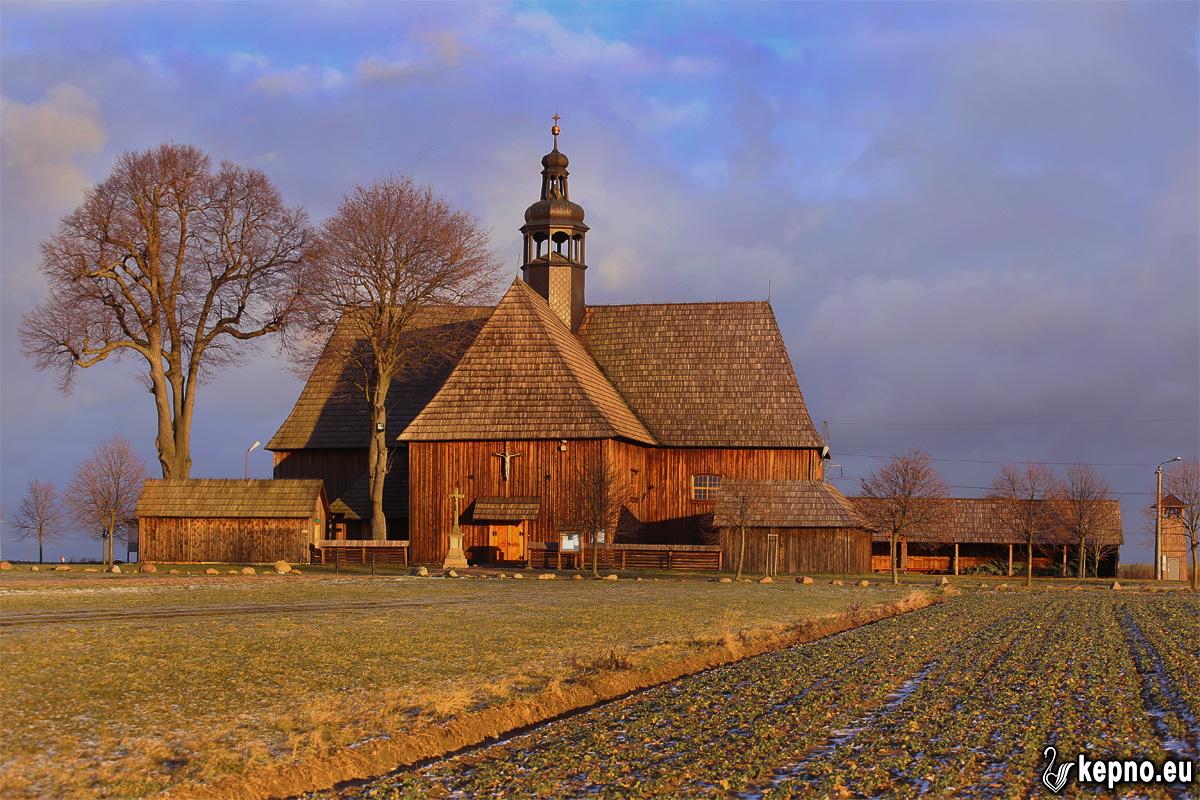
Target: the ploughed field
pixel 128 685
pixel 957 700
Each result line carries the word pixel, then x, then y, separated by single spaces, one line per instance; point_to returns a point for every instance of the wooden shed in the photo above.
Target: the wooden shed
pixel 972 537
pixel 256 521
pixel 794 526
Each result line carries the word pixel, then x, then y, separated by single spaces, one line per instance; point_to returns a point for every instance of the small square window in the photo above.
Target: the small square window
pixel 705 487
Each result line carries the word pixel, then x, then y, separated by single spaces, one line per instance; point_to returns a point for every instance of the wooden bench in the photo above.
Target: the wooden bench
pixel 365 551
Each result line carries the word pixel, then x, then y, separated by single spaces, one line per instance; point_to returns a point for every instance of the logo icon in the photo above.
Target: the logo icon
pixel 1055 778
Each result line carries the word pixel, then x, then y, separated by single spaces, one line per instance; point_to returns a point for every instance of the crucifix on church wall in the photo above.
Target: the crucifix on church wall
pixel 505 462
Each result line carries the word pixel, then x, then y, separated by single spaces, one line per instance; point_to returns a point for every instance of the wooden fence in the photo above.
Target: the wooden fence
pixel 630 556
pixel 363 551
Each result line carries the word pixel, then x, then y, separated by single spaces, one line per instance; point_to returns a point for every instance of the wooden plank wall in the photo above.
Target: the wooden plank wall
pixel 436 468
pixel 660 483
pixel 837 550
pixel 191 540
pixel 338 468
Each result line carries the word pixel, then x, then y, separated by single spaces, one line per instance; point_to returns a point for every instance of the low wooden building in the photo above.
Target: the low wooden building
pixel 971 537
pixel 254 521
pixel 1175 542
pixel 792 527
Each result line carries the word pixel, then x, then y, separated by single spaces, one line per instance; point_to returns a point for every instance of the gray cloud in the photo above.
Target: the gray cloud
pixel 966 214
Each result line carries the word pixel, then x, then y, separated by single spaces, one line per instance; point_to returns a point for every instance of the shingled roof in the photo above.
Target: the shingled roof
pixel 702 374
pixel 355 501
pixel 332 412
pixel 981 520
pixel 785 504
pixel 214 497
pixel 525 376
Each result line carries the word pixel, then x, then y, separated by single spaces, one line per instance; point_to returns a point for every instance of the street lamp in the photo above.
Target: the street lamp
pixel 246 460
pixel 1158 558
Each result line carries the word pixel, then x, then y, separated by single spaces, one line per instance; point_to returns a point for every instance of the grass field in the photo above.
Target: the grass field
pixel 957 700
pixel 122 686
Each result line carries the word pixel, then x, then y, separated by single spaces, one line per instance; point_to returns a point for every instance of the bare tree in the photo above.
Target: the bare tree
pixel 104 491
pixel 743 505
pixel 39 515
pixel 905 493
pixel 175 263
pixel 1184 483
pixel 392 249
pixel 1022 492
pixel 1078 507
pixel 592 505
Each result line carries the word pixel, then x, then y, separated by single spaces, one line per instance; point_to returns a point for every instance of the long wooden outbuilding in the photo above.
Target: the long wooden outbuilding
pixel 229 520
pixel 972 536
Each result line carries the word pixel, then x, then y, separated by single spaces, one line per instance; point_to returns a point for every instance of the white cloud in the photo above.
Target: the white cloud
pixel 378 70
pixel 657 115
pixel 44 142
pixel 573 47
pixel 301 79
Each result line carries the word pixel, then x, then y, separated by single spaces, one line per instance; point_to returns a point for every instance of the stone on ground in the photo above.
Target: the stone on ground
pixel 116 568
pixel 942 581
pixel 147 568
pixel 835 582
pixel 423 572
pixel 172 572
pixel 804 579
pixel 726 580
pixel 62 568
pixel 90 569
pixel 547 576
pixel 451 574
pixel 211 571
pixel 610 577
pixel 247 570
pixel 34 568
pixel 519 576
pixel 282 567
pixel 502 576
pixel 576 577
pixel 864 583
pixel 1116 584
pixel 766 579
pixel 5 565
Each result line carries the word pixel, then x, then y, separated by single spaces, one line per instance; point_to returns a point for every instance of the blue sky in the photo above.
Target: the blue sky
pixel 968 213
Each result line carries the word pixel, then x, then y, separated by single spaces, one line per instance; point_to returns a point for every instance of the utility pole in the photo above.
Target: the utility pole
pixel 1158 559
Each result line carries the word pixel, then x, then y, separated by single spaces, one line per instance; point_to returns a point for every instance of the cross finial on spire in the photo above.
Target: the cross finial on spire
pixel 555 130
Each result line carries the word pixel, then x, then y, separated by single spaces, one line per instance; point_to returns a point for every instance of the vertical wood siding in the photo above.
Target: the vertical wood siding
pixel 837 550
pixel 338 468
pixel 659 480
pixel 194 540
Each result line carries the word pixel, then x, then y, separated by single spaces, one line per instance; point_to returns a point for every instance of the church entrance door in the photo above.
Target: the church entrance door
pixel 507 541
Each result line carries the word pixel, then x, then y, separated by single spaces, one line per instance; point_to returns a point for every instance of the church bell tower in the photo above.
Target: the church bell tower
pixel 553 252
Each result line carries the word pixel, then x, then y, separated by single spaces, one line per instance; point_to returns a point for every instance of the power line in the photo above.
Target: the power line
pixel 1017 461
pixel 981 488
pixel 880 424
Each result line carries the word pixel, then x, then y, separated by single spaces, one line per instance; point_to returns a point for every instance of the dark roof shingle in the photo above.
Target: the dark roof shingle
pixel 981 520
pixel 702 374
pixel 525 376
pixel 332 412
pixel 785 504
pixel 218 497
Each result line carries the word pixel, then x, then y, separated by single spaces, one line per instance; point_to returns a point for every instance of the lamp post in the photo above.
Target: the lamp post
pixel 1158 558
pixel 246 460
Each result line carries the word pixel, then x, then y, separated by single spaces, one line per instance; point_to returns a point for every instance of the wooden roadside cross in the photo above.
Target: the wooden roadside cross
pixel 455 557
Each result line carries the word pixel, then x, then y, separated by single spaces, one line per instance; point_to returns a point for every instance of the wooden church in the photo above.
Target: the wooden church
pixel 678 400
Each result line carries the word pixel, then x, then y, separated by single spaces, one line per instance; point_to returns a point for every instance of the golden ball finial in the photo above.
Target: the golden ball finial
pixel 555 130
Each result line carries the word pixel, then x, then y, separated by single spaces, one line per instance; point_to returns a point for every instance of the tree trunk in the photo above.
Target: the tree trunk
pixel 42 562
pixel 1082 557
pixel 1195 545
pixel 377 455
pixel 1029 563
pixel 741 556
pixel 595 556
pixel 895 572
